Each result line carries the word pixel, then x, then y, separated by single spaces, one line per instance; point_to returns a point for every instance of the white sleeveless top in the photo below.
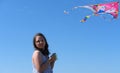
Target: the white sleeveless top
pixel 48 70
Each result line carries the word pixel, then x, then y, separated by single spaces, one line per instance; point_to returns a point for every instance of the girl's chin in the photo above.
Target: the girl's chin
pixel 41 48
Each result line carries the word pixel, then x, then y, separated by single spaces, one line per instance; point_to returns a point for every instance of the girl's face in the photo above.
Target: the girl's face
pixel 40 42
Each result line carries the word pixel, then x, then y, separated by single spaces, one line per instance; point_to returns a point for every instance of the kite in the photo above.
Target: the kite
pixel 111 8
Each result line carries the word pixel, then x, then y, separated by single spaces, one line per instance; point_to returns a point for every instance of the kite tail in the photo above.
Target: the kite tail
pixel 85 18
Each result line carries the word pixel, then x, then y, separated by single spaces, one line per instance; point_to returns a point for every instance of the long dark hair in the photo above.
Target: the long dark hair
pixel 45 51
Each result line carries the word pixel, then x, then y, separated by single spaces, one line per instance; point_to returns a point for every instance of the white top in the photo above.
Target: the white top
pixel 48 70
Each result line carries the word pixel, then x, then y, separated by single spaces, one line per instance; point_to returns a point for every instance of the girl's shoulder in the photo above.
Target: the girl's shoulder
pixel 37 52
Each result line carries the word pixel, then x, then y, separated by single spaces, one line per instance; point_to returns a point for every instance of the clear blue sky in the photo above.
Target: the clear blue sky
pixel 90 47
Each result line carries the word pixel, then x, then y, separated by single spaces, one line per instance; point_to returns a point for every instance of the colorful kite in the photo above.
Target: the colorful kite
pixel 111 8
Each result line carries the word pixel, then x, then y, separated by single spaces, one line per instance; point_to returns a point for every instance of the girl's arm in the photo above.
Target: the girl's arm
pixel 52 60
pixel 52 64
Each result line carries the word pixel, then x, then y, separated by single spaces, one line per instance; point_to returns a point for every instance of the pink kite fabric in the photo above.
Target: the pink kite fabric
pixel 105 8
pixel 110 8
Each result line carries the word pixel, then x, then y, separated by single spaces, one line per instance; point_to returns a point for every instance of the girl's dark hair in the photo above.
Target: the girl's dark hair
pixel 45 51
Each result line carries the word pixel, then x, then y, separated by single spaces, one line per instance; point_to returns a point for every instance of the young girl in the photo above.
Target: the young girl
pixel 40 59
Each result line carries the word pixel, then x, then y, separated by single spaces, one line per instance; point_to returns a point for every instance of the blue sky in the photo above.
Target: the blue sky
pixel 90 47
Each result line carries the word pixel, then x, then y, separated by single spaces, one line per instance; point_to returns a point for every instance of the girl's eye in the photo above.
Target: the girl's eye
pixel 39 41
